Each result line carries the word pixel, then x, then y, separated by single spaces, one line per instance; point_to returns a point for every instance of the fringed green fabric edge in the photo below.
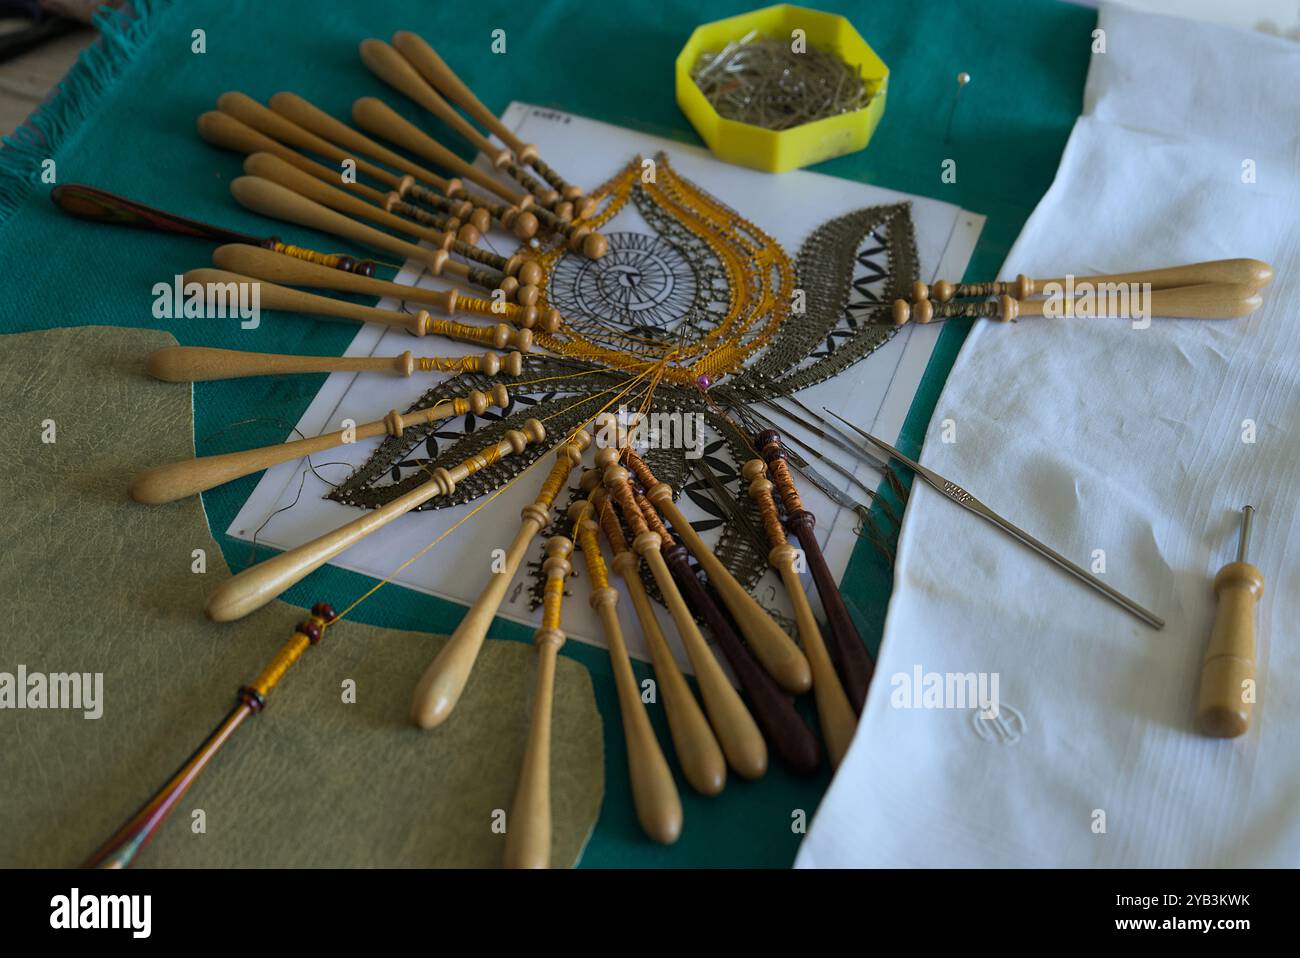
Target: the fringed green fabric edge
pixel 121 33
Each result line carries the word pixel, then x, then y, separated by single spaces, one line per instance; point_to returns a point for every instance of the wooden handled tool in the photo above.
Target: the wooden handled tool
pixel 223 130
pixel 394 69
pixel 440 688
pixel 290 271
pixel 1213 301
pixel 194 364
pixel 1236 272
pixel 834 712
pixel 528 829
pixel 735 728
pixel 783 727
pixel 421 323
pixel 259 584
pixel 432 67
pixel 654 793
pixel 779 655
pixel 522 269
pixel 188 477
pixel 851 654
pixel 380 119
pixel 1228 672
pixel 315 120
pixel 697 748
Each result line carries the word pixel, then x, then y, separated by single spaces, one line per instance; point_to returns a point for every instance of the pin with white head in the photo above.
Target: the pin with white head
pixel 962 79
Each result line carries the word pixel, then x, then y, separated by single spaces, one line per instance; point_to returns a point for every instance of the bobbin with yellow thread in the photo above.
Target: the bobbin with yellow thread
pixel 348 264
pixel 528 839
pixel 778 653
pixel 308 632
pixel 125 843
pixel 259 584
pixel 736 730
pixel 442 683
pixel 188 477
pixel 697 748
pixel 658 806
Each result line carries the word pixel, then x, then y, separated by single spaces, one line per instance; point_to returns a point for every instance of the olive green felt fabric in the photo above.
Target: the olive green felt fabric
pixel 94 582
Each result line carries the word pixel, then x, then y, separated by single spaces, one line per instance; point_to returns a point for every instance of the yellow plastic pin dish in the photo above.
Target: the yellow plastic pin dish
pixel 772 150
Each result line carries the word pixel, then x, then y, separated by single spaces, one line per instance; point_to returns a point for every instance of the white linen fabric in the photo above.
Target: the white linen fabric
pixel 1101 438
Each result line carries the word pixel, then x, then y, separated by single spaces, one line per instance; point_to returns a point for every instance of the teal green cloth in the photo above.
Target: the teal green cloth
pixel 125 122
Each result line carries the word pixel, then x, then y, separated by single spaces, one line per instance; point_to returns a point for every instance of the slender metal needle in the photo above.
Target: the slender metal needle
pixel 964 499
pixel 1247 514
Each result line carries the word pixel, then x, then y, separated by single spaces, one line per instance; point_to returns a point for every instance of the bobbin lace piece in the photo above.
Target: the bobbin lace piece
pixel 705 289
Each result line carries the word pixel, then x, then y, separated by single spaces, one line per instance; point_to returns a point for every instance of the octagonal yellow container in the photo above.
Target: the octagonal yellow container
pixel 772 150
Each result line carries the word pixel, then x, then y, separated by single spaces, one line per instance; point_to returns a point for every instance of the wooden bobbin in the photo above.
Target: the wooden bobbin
pixel 189 477
pixel 466 232
pixel 850 653
pixel 432 67
pixel 290 271
pixel 658 806
pixel 442 683
pixel 697 748
pixel 737 732
pixel 276 170
pixel 834 712
pixel 380 119
pixel 528 838
pixel 258 585
pixel 317 121
pixel 520 222
pixel 192 364
pixel 223 130
pixel 772 709
pixel 779 655
pixel 266 121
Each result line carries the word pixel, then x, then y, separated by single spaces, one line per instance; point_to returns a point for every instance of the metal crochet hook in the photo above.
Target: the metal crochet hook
pixel 964 499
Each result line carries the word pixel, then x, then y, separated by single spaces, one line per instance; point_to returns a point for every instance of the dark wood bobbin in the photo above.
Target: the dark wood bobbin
pixel 773 710
pixel 848 651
